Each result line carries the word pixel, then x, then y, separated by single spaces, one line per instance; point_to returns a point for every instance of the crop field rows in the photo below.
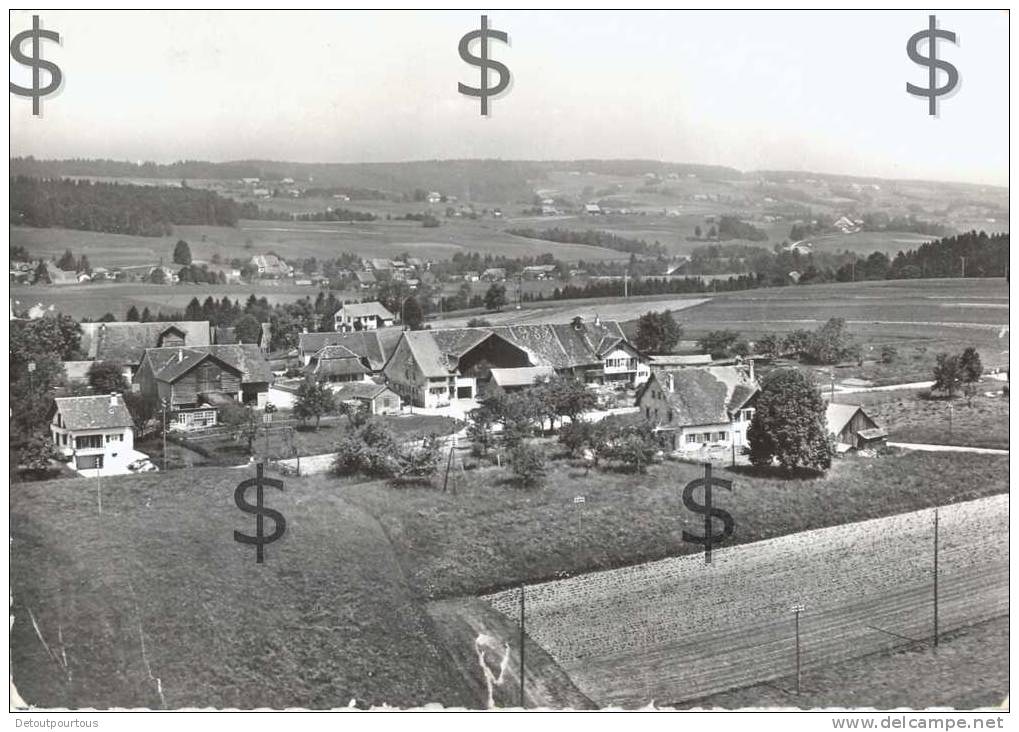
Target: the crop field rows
pixel 678 629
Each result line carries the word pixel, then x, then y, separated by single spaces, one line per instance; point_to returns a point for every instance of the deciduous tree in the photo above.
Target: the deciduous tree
pixel 790 424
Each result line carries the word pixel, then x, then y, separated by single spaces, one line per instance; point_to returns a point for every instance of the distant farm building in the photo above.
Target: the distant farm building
pixel 853 428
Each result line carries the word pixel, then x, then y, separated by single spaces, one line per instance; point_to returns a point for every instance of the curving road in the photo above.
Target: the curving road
pixel 678 630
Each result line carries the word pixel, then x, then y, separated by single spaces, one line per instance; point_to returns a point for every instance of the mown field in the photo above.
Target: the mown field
pixel 153 603
pixel 920 318
pixel 967 671
pixel 911 417
pixel 291 239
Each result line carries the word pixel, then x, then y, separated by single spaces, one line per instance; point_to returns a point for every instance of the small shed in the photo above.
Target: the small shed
pixel 853 428
pixel 378 398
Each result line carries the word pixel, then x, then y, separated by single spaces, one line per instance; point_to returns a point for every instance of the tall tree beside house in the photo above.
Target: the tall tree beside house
pixel 790 424
pixel 106 377
pixel 157 276
pixel 413 317
pixel 84 265
pixel 247 329
pixel 182 253
pixel 565 396
pixel 67 262
pixel 948 374
pixel 495 297
pixel 314 400
pixel 657 332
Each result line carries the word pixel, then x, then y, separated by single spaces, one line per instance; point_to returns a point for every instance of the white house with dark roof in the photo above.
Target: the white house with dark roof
pixel 434 368
pixel 357 316
pixel 95 432
pixel 337 363
pixel 700 408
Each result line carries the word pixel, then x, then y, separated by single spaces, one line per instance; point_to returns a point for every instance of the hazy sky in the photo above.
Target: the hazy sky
pixel 823 91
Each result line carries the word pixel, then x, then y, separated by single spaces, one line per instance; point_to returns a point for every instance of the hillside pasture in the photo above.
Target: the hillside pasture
pixel 154 604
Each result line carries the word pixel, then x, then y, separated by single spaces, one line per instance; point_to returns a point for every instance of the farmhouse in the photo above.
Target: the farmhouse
pixel 700 407
pixel 432 368
pixel 126 343
pixel 196 382
pixel 60 277
pixel 539 272
pixel 853 428
pixel 96 432
pixel 373 347
pixel 336 363
pixel 378 399
pixel 362 316
pixel 270 266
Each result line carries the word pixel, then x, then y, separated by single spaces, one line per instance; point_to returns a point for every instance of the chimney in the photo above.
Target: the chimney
pixel 750 370
pixel 113 399
pixel 180 355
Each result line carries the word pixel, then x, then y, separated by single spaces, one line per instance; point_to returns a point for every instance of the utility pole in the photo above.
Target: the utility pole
pixel 99 484
pixel 935 578
pixel 951 411
pixel 522 704
pixel 797 609
pixel 164 434
pixel 449 463
pixel 963 266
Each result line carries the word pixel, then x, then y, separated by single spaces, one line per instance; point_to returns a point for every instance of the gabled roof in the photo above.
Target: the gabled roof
pixel 563 345
pixel 185 360
pixel 523 376
pixel 246 358
pixel 335 361
pixel 374 346
pixel 363 309
pixel 837 416
pixel 700 396
pixel 126 342
pixel 359 390
pixel 438 352
pixel 93 412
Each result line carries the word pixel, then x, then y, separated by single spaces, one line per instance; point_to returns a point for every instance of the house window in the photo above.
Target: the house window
pixel 691 438
pixel 88 442
pixel 114 438
pixel 720 437
pixel 747 414
pixel 671 415
pixel 647 412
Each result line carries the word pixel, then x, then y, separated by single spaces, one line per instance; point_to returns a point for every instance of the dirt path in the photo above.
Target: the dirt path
pixel 679 629
pixel 948 448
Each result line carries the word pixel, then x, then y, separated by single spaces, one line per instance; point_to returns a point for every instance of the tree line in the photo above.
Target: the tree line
pixel 115 208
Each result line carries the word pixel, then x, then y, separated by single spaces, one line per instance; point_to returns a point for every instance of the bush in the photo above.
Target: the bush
pixel 789 424
pixel 888 354
pixel 418 464
pixel 371 450
pixel 527 464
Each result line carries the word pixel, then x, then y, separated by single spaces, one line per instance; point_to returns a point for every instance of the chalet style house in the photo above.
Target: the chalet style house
pixel 433 368
pixel 126 343
pixel 95 432
pixel 337 363
pixel 196 382
pixel 700 408
pixel 373 347
pixel 356 316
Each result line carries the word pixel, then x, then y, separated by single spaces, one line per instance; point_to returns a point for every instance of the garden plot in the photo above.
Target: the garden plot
pixel 678 629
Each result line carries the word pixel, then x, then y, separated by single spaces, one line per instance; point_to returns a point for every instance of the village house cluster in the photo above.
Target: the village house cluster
pixel 187 372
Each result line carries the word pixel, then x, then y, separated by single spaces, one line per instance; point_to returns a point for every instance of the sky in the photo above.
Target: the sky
pixel 822 91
